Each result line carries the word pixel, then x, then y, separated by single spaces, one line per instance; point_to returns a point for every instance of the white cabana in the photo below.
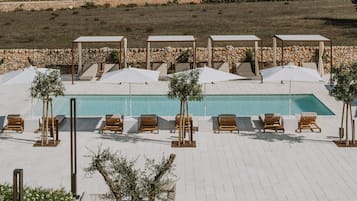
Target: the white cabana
pixel 302 38
pixel 98 39
pixel 234 38
pixel 170 38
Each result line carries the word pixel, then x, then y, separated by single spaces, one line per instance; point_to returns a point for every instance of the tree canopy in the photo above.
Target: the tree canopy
pixel 344 83
pixel 47 84
pixel 185 86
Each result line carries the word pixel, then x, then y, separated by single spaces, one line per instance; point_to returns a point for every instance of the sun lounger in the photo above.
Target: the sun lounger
pixel 227 122
pixel 222 67
pixel 148 122
pixel 272 122
pixel 161 67
pixel 308 121
pixel 90 73
pixel 113 123
pixel 14 123
pixel 244 69
pixel 187 122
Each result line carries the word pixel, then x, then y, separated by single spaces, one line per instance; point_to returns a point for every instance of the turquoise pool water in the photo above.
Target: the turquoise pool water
pixel 241 105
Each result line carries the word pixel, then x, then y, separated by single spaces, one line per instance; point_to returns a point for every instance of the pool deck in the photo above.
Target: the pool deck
pixel 247 166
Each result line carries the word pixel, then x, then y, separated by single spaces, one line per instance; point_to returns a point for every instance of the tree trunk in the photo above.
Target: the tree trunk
pixel 352 124
pixel 109 182
pixel 46 126
pixel 188 124
pixel 180 124
pixel 347 142
pixel 43 121
pixel 160 174
pixel 52 121
pixel 343 115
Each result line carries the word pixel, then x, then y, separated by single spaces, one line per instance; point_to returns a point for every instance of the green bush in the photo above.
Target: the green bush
pixel 114 57
pixel 38 194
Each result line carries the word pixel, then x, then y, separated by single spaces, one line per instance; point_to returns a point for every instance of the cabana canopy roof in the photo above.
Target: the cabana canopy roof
pixel 98 39
pixel 234 38
pixel 302 38
pixel 171 38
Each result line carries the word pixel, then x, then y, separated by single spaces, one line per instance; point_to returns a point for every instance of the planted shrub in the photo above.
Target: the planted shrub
pixel 38 194
pixel 89 5
pixel 113 57
pixel 184 57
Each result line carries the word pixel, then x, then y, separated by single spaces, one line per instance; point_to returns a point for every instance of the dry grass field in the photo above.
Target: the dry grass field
pixel 336 19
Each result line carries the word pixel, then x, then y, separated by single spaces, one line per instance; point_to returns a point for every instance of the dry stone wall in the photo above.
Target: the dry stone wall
pixel 69 4
pixel 12 59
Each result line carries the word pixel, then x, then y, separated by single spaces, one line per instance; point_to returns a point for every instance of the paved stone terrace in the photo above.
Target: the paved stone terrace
pixel 247 166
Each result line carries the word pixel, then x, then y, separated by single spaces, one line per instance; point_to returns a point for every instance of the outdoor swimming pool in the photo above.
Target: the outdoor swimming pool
pixel 241 105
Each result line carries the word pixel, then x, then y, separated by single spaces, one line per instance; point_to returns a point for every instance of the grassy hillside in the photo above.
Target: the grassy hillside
pixel 56 29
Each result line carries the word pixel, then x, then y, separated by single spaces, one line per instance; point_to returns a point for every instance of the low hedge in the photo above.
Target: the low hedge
pixel 38 194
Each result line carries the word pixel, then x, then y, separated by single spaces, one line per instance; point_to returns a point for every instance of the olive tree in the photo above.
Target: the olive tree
pixel 344 88
pixel 125 181
pixel 44 87
pixel 185 87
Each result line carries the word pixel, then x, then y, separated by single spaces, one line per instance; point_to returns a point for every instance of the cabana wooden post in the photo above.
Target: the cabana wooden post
pixel 98 39
pixel 235 38
pixel 302 38
pixel 170 38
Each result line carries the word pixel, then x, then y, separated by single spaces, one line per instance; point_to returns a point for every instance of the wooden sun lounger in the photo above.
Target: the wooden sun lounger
pixel 14 123
pixel 149 122
pixel 187 122
pixel 113 123
pixel 227 122
pixel 308 121
pixel 272 122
